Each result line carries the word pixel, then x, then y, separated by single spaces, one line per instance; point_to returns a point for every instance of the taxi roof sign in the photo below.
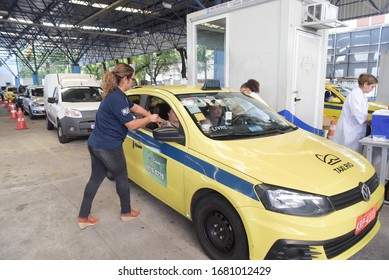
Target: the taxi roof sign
pixel 211 84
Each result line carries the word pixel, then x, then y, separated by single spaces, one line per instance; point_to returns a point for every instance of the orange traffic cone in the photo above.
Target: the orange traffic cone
pixel 6 104
pixel 13 114
pixel 331 132
pixel 9 105
pixel 21 124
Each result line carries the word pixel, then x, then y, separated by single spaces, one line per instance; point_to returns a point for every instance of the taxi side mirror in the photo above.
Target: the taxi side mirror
pixel 169 134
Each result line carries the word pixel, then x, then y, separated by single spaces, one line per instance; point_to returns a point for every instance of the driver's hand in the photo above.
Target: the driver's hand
pixel 154 118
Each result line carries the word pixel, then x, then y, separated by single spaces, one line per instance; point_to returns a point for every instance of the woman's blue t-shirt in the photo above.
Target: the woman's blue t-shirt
pixel 110 130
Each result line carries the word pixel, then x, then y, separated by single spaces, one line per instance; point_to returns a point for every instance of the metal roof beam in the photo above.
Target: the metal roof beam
pixel 102 12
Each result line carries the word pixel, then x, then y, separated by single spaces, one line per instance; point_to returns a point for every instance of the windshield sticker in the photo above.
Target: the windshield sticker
pixel 254 128
pixel 218 128
pixel 155 165
pixel 199 117
pixel 188 102
pixel 201 103
pixel 193 109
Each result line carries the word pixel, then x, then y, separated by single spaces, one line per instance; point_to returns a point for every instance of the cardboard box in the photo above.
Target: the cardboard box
pixel 380 123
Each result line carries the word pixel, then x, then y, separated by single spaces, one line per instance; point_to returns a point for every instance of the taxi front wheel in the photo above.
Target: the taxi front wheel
pixel 219 229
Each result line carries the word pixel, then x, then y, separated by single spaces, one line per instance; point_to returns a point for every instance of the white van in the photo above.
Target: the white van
pixel 71 101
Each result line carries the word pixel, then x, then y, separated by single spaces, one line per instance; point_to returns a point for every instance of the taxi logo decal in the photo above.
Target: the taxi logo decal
pixel 329 159
pixel 332 160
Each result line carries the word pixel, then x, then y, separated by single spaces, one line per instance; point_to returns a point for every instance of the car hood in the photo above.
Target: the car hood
pixel 298 160
pixel 373 106
pixel 38 100
pixel 82 106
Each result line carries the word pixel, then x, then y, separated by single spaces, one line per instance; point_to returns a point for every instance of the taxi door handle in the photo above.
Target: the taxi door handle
pixel 136 145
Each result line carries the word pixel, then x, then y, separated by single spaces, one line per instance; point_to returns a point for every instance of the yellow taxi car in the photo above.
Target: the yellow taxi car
pixel 334 97
pixel 254 185
pixel 10 93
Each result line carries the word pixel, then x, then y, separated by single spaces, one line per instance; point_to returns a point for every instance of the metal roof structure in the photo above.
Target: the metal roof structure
pixel 90 31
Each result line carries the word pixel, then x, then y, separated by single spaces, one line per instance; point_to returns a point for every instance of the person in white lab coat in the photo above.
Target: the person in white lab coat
pixel 353 120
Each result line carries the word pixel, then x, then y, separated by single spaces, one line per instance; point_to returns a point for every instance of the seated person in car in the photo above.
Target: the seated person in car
pixel 172 120
pixel 215 116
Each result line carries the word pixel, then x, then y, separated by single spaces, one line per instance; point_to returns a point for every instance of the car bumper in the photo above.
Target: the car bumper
pixel 38 111
pixel 73 127
pixel 279 236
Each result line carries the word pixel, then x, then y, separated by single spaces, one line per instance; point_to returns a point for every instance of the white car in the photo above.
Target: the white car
pixel 33 104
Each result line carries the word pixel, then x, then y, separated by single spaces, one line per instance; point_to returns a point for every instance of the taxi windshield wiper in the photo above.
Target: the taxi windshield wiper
pixel 277 130
pixel 231 134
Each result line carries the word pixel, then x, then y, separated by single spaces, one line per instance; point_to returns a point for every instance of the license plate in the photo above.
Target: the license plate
pixel 92 126
pixel 365 219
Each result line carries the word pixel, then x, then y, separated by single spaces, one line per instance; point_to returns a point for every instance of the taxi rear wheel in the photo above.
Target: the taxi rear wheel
pixel 219 229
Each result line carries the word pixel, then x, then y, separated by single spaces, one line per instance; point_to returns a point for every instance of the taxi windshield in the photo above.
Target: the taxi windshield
pixel 226 115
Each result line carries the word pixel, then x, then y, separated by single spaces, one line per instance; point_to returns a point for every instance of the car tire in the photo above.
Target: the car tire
pixel 32 117
pixel 219 229
pixel 61 136
pixel 49 124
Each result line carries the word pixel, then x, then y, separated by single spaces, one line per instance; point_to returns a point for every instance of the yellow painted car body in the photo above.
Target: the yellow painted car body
pixel 10 93
pixel 334 98
pixel 279 193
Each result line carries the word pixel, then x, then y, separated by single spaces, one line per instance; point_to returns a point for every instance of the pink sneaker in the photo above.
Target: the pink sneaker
pixel 129 216
pixel 90 221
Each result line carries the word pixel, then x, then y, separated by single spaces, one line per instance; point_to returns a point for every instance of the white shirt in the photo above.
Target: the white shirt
pixel 256 96
pixel 351 126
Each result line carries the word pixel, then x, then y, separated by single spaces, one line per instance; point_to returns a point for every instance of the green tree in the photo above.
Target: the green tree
pixel 203 56
pixel 154 64
pixel 56 62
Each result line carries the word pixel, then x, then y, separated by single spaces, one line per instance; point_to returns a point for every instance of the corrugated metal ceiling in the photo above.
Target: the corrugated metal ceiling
pixel 352 9
pixel 90 31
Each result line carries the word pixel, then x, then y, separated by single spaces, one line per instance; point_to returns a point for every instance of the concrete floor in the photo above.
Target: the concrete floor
pixel 41 187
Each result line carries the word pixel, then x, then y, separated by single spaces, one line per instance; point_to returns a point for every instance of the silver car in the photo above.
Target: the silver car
pixel 33 102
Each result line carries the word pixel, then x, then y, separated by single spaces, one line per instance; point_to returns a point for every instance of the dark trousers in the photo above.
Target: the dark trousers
pixel 102 161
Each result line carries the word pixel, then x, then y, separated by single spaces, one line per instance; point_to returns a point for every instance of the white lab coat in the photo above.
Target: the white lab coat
pixel 256 96
pixel 351 126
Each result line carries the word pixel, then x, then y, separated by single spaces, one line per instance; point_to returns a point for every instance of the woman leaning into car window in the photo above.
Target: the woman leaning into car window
pixel 113 119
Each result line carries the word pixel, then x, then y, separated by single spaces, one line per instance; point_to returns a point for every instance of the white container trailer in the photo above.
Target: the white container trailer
pixel 273 41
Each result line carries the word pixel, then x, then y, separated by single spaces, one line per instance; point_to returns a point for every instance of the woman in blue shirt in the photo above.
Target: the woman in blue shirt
pixel 113 119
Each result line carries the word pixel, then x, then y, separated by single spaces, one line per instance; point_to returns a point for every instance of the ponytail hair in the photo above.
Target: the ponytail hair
pixel 113 78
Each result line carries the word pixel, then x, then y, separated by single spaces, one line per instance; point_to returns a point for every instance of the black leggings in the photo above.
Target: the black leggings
pixel 102 161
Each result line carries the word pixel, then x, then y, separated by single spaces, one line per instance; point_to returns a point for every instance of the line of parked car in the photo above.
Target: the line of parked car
pixel 28 98
pixel 68 102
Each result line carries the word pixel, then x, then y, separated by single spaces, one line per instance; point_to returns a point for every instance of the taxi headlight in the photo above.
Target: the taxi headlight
pixel 293 202
pixel 72 113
